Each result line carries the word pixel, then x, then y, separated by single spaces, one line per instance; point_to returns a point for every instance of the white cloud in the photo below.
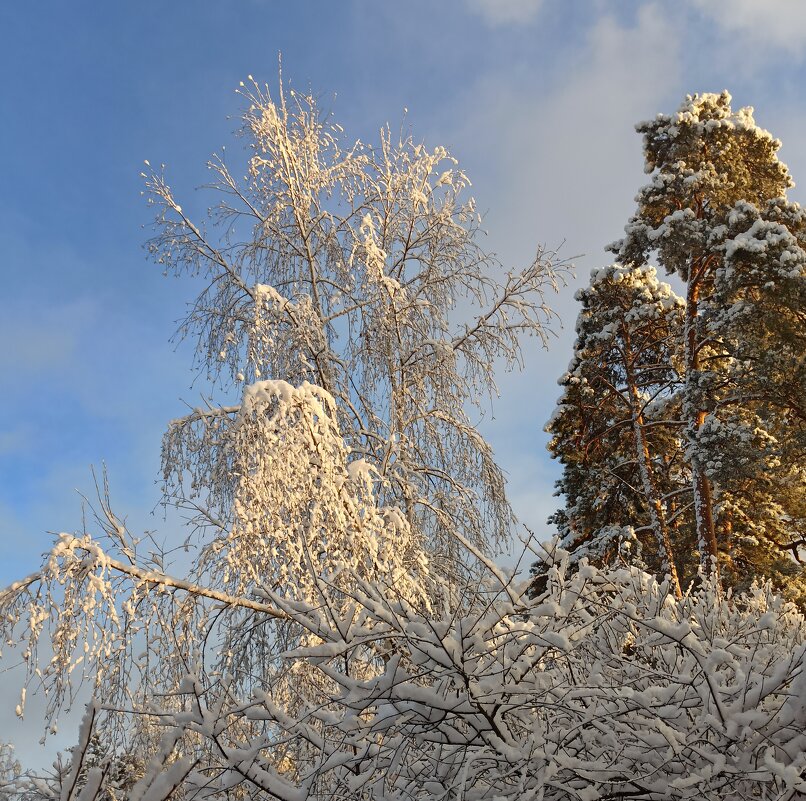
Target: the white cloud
pixel 506 12
pixel 565 166
pixel 770 24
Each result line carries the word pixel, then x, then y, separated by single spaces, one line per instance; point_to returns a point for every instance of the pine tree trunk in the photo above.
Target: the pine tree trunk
pixel 695 416
pixel 656 511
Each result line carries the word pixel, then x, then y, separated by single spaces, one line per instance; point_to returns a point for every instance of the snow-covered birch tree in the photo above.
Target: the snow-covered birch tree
pixel 359 269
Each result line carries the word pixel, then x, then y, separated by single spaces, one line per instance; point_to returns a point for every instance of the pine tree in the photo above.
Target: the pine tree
pixel 120 769
pixel 757 429
pixel 614 449
pixel 715 214
pixel 10 770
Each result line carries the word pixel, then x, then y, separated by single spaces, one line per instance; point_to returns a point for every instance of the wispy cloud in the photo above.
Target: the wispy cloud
pixel 565 165
pixel 772 25
pixel 506 12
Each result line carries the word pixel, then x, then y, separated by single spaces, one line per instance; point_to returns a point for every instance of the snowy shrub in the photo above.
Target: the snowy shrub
pixel 604 686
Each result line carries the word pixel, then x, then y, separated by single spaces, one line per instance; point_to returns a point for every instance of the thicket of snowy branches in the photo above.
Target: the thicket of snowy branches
pixel 343 631
pixel 604 686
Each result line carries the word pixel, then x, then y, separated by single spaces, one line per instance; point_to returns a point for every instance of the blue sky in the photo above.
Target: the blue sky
pixel 537 99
